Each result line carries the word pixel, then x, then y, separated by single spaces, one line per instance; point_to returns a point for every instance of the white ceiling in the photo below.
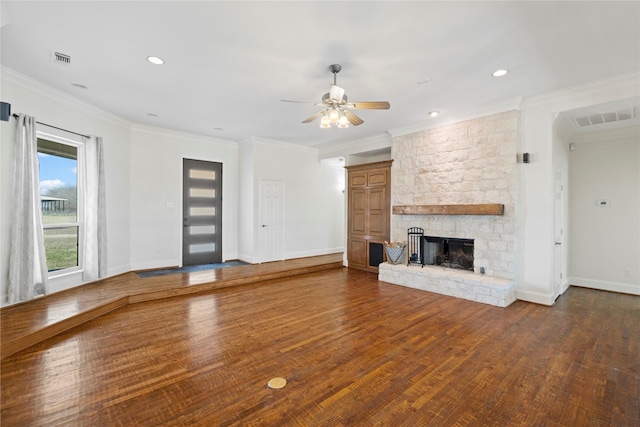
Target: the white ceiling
pixel 228 64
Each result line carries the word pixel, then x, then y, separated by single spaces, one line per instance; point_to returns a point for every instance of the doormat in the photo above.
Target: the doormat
pixel 189 269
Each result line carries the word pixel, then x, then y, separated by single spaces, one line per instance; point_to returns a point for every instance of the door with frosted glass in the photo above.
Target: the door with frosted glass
pixel 201 212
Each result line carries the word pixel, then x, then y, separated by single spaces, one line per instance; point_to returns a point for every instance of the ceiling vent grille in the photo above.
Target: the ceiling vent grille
pixel 61 58
pixel 603 118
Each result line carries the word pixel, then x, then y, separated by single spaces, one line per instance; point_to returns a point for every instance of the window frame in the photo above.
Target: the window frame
pixel 78 143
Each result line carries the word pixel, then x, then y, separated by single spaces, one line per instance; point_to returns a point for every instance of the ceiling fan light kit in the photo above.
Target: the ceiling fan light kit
pixel 324 122
pixel 336 111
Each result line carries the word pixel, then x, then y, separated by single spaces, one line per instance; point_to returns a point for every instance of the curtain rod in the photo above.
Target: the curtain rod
pixel 56 127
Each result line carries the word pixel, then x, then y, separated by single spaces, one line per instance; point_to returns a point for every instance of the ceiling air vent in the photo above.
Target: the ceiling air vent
pixel 61 58
pixel 602 118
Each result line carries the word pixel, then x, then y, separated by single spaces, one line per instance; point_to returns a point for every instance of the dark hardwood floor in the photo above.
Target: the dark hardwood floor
pixel 354 351
pixel 30 322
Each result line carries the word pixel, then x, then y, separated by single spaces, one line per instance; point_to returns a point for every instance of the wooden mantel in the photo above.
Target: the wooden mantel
pixel 479 209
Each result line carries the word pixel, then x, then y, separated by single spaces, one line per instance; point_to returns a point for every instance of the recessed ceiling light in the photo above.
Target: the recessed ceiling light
pixel 434 113
pixel 155 60
pixel 79 86
pixel 499 73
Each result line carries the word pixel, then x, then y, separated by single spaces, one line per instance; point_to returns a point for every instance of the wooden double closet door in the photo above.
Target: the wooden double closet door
pixel 369 209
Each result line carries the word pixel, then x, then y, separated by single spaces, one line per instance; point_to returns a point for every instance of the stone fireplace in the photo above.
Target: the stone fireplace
pixel 459 181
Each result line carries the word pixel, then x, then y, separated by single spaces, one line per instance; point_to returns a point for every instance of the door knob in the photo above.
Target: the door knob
pixel 558 243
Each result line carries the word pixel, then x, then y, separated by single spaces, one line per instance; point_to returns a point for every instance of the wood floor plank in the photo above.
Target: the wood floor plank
pixel 354 351
pixel 27 323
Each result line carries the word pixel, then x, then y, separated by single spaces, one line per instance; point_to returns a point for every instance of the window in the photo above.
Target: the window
pixel 61 202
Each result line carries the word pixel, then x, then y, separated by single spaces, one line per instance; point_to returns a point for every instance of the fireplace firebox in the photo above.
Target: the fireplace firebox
pixel 448 252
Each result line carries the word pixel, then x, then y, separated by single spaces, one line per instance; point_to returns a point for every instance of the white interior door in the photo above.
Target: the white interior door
pixel 270 232
pixel 558 235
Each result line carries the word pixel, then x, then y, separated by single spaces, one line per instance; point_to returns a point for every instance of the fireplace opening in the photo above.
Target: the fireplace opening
pixel 448 252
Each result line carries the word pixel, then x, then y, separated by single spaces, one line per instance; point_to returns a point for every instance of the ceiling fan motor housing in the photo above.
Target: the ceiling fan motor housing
pixel 326 99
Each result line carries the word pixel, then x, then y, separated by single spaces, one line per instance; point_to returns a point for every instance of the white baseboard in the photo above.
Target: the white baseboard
pixel 535 297
pixel 149 265
pixel 248 258
pixel 625 288
pixel 114 271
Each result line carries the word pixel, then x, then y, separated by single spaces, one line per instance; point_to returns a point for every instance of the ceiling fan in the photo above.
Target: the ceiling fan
pixel 336 109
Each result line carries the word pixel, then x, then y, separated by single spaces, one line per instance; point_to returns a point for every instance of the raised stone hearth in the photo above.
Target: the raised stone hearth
pixel 447 281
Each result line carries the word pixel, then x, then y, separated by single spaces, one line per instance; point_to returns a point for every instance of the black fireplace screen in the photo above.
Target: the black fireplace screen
pixel 448 252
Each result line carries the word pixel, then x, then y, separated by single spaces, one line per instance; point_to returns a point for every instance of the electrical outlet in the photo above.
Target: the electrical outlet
pixel 627 273
pixel 158 251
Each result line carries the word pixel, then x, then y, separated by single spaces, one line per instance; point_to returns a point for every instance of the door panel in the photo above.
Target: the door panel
pixel 357 252
pixel 558 235
pixel 270 233
pixel 358 212
pixel 358 179
pixel 377 178
pixel 201 212
pixel 378 212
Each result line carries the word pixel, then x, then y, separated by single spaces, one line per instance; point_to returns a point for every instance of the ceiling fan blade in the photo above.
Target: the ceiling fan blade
pixel 312 118
pixel 336 93
pixel 368 105
pixel 353 119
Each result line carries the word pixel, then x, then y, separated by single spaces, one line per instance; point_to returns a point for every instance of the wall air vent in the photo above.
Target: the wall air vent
pixel 61 58
pixel 602 118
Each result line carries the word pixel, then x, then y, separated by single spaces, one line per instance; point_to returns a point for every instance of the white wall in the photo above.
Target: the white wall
pixel 536 179
pixel 605 241
pixel 53 107
pixel 247 235
pixel 156 193
pixel 144 185
pixel 313 222
pixel 136 160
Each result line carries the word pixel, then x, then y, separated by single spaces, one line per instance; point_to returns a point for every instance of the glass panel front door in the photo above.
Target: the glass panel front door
pixel 201 212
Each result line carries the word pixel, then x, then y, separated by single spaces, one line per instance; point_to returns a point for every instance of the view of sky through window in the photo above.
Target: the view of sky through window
pixel 56 172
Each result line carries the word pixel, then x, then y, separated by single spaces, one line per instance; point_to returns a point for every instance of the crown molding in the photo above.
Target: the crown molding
pixel 161 132
pixel 355 147
pixel 14 77
pixel 483 111
pixel 616 87
pixel 278 144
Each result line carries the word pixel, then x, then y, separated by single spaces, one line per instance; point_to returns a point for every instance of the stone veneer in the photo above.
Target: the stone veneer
pixel 447 281
pixel 471 162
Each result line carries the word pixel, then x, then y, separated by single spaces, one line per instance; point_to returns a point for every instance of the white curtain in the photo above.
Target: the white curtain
pixel 95 232
pixel 27 262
